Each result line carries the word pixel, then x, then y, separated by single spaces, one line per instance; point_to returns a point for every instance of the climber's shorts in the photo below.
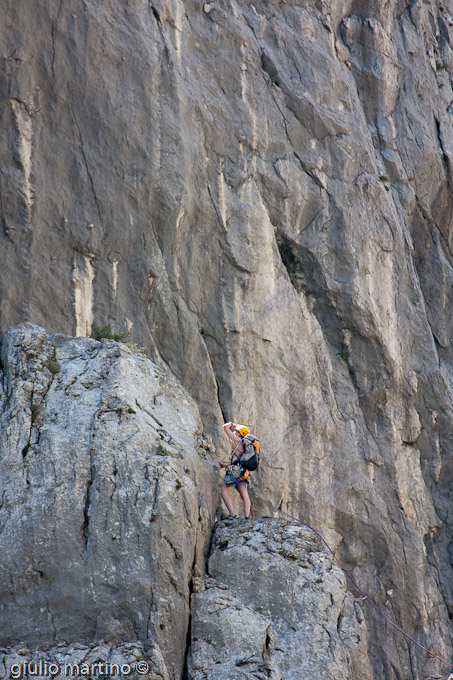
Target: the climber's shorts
pixel 234 477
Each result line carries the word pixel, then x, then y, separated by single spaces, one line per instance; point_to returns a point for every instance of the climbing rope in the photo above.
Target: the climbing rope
pixel 343 568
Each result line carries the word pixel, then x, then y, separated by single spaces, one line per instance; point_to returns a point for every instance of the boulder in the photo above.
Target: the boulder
pixel 274 606
pixel 108 493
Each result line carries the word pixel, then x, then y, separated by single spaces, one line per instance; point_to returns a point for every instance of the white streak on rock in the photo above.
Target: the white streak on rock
pixel 24 127
pixel 82 278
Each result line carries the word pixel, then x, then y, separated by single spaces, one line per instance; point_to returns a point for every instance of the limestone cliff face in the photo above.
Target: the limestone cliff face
pixel 261 192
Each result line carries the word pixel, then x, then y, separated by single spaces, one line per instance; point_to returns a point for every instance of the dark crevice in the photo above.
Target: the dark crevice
pixel 86 509
pixel 267 642
pixel 159 24
pixel 209 550
pixel 38 407
pixel 155 502
pixel 269 67
pixel 219 400
pixel 156 14
pixel 339 621
pixel 445 158
pixel 35 408
pixel 290 257
pixel 185 673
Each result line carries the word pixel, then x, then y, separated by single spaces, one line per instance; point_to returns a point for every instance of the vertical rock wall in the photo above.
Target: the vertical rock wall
pixel 261 192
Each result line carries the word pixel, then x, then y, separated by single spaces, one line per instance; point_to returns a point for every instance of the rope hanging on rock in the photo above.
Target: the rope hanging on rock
pixel 343 568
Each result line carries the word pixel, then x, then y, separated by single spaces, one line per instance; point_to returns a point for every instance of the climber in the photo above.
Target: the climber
pixel 234 475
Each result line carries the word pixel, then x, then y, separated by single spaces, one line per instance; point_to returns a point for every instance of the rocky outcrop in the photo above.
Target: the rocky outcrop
pixel 108 492
pixel 107 500
pixel 273 606
pixel 261 193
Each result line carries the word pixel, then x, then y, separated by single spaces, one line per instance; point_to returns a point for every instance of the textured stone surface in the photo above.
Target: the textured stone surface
pixel 262 193
pixel 273 606
pixel 106 497
pixel 62 661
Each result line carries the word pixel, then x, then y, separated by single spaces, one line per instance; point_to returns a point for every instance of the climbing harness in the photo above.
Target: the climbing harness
pixel 234 472
pixel 343 568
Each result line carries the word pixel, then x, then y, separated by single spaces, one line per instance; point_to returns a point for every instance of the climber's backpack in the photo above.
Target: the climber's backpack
pixel 250 458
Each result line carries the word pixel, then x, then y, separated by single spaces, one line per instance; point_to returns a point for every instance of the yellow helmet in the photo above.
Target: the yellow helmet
pixel 242 429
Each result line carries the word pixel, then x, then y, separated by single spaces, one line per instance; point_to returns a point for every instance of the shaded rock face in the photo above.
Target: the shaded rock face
pixel 107 499
pixel 262 193
pixel 273 606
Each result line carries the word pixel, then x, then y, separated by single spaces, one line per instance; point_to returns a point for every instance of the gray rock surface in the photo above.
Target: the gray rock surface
pixel 261 192
pixel 273 606
pixel 79 660
pixel 107 498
